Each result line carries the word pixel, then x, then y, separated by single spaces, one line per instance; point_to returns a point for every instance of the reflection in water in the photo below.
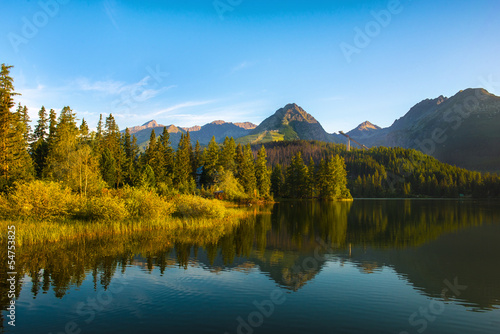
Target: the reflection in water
pixel 423 241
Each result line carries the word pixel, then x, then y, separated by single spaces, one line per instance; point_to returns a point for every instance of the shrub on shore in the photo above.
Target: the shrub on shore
pixel 189 206
pixel 144 203
pixel 44 200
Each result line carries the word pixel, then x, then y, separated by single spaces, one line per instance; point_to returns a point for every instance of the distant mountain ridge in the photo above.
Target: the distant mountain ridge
pixel 462 130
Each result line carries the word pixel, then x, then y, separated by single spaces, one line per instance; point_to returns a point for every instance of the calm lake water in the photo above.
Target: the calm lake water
pixel 370 266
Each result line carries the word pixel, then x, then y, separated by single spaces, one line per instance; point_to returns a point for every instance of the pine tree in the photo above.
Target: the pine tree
pixel 15 162
pixel 98 136
pixel 183 176
pixel 262 173
pixel 166 157
pixel 63 143
pixel 228 155
pixel 247 172
pixel 198 156
pixel 84 130
pixel 277 181
pixel 211 163
pixel 131 151
pixel 153 157
pixel 39 147
pixel 296 177
pixel 112 153
pixel 52 126
pixel 311 179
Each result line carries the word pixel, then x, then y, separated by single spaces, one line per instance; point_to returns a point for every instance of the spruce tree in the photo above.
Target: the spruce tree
pixel 247 172
pixel 211 162
pixel 151 155
pixel 297 178
pixel 198 156
pixel 166 157
pixel 277 181
pixel 183 176
pixel 111 141
pixel 228 155
pixel 131 151
pixel 262 173
pixel 64 141
pixel 15 162
pixel 39 147
pixel 52 126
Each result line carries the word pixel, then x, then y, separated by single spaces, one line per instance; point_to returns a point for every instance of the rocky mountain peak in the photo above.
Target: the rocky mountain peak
pixel 367 126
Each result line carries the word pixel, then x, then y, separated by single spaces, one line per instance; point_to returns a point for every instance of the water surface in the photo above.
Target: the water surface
pixel 371 266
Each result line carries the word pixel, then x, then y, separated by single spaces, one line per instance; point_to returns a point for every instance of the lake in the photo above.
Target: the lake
pixel 368 266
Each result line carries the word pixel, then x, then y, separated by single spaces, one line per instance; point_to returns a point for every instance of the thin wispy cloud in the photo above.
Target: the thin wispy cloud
pixel 138 90
pixel 182 106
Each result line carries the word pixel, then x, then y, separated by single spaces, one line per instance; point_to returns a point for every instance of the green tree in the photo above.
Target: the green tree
pixel 64 142
pixel 112 153
pixel 198 156
pixel 130 165
pixel 151 156
pixel 166 157
pixel 211 162
pixel 262 173
pixel 183 176
pixel 297 178
pixel 15 162
pixel 228 155
pixel 247 172
pixel 277 181
pixel 40 146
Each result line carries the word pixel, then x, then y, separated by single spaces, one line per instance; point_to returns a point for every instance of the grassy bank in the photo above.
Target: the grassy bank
pixel 48 212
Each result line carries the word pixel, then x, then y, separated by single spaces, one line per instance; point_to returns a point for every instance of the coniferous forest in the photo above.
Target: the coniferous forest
pixel 60 157
pixel 59 152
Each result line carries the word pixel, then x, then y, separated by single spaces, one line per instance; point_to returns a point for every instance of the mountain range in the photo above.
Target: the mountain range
pixel 462 130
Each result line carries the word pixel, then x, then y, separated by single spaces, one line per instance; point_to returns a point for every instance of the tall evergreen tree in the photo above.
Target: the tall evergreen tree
pixel 112 153
pixel 15 162
pixel 39 147
pixel 228 155
pixel 167 154
pixel 64 142
pixel 262 173
pixel 297 178
pixel 277 181
pixel 247 172
pixel 211 162
pixel 183 177
pixel 198 156
pixel 130 167
pixel 84 130
pixel 52 126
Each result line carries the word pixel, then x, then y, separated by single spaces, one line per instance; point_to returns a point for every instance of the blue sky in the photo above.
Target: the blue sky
pixel 192 62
